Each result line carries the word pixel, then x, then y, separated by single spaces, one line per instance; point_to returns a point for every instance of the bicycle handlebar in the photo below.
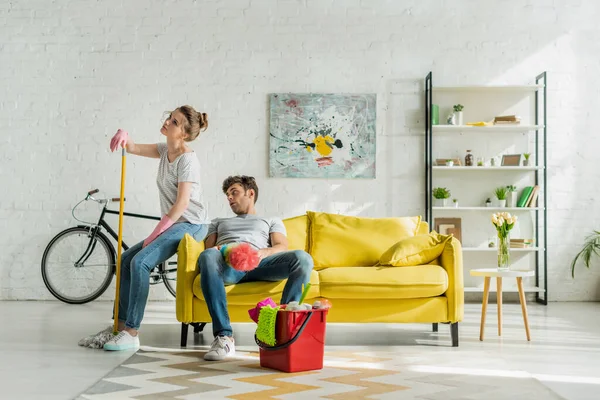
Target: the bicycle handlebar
pixel 118 199
pixel 91 192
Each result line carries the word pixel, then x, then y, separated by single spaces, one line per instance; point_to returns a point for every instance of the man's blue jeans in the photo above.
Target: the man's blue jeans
pixel 295 266
pixel 136 264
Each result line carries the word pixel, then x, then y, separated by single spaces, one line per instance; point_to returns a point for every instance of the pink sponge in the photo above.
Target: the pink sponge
pixel 254 312
pixel 241 257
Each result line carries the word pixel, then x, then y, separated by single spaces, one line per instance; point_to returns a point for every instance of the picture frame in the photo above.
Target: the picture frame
pixel 511 160
pixel 447 226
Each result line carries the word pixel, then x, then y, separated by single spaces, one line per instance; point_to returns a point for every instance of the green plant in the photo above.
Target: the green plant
pixel 458 107
pixel 511 188
pixel 480 163
pixel 488 200
pixel 591 246
pixel 454 200
pixel 527 155
pixel 441 193
pixel 501 193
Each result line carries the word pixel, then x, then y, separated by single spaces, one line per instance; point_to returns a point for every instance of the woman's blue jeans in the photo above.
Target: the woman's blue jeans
pixel 136 264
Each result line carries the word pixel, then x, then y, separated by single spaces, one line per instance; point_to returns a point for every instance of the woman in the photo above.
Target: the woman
pixel 182 212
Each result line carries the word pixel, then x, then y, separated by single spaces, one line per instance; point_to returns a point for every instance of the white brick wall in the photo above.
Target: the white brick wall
pixel 73 72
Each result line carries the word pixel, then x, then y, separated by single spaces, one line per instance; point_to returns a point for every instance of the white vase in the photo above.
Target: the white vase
pixel 501 203
pixel 459 117
pixel 440 202
pixel 511 199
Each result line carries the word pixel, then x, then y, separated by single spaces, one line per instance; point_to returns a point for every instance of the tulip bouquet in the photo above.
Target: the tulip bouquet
pixel 504 222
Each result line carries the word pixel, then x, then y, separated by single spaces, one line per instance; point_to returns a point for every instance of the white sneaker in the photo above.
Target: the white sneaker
pixel 123 341
pixel 85 342
pixel 221 347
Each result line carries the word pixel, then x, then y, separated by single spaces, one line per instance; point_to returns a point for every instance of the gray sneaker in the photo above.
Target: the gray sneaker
pixel 221 347
pixel 85 342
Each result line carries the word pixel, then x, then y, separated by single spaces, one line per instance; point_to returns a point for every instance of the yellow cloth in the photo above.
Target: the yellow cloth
pixel 479 123
pixel 383 282
pixel 416 250
pixel 346 241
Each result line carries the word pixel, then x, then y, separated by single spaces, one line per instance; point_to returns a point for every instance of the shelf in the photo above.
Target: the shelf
pixel 494 249
pixel 489 208
pixel 491 128
pixel 507 168
pixel 484 88
pixel 527 289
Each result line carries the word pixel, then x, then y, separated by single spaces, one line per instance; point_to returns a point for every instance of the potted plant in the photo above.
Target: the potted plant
pixel 526 160
pixel 501 196
pixel 480 163
pixel 441 196
pixel 455 202
pixel 591 246
pixel 511 196
pixel 488 202
pixel 449 163
pixel 459 113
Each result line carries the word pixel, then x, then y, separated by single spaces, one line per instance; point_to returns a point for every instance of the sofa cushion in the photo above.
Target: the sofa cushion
pixel 383 282
pixel 251 293
pixel 297 232
pixel 346 241
pixel 416 250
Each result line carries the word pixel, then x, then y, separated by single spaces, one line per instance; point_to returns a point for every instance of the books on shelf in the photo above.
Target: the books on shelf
pixel 529 196
pixel 521 243
pixel 507 120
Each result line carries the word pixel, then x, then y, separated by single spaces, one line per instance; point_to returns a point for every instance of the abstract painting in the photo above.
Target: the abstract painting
pixel 322 135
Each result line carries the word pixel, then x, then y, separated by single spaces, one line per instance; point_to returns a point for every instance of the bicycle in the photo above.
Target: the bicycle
pixel 84 257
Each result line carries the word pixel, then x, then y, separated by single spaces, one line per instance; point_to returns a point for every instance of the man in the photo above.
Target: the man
pixel 268 236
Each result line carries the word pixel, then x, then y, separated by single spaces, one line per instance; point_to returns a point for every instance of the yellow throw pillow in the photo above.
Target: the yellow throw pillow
pixel 349 241
pixel 297 232
pixel 416 250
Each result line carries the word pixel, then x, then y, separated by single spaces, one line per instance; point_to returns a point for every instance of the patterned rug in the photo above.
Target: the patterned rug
pixel 347 374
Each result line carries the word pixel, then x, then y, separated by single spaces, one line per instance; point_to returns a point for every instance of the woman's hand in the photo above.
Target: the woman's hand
pixel 120 139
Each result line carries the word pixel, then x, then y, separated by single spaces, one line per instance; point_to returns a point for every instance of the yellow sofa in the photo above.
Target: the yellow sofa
pixel 346 251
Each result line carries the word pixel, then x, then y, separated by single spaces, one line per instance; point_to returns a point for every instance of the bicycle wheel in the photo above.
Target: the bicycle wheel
pixel 169 276
pixel 76 270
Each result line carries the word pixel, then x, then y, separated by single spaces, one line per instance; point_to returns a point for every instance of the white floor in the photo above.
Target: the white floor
pixel 40 358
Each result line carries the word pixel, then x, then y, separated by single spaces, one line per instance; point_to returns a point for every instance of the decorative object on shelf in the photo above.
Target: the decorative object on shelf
pixel 459 113
pixel 488 202
pixel 511 196
pixel 503 222
pixel 435 114
pixel 501 196
pixel 447 226
pixel 526 160
pixel 480 161
pixel 441 196
pixel 591 246
pixel 449 163
pixel 443 161
pixel 507 120
pixel 451 119
pixel 492 242
pixel 493 161
pixel 322 135
pixel 469 159
pixel 511 160
pixel 455 203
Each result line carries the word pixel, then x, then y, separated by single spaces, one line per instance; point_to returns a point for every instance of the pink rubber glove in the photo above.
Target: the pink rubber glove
pixel 164 224
pixel 120 139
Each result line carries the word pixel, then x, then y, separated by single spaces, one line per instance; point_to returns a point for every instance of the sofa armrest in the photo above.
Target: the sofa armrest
pixel 188 252
pixel 452 261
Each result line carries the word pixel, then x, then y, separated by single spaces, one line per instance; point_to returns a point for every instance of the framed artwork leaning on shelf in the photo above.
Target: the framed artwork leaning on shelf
pixel 447 226
pixel 511 160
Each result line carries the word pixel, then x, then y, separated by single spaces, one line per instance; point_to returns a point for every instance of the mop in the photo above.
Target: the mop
pixel 119 241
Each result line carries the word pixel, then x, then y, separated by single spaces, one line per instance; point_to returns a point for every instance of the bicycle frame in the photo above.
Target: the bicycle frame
pixel 101 223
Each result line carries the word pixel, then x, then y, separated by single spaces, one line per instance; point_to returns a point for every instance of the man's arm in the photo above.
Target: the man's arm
pixel 210 241
pixel 279 243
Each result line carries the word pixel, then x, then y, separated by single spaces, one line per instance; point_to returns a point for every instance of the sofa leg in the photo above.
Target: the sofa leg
pixel 435 327
pixel 198 326
pixel 184 332
pixel 454 334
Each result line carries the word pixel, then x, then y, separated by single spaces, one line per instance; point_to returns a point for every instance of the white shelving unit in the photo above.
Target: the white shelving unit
pixel 533 130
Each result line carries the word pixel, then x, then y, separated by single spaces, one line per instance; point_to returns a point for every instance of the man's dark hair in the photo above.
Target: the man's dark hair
pixel 247 182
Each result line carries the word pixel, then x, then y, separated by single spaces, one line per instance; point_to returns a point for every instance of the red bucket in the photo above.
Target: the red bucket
pixel 300 342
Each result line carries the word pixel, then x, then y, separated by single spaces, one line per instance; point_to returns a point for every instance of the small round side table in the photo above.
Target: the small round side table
pixel 488 273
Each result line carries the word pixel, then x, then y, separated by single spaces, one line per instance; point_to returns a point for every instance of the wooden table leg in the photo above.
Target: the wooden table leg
pixel 523 306
pixel 499 301
pixel 486 292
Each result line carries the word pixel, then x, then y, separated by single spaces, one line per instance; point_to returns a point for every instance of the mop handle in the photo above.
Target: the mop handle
pixel 119 241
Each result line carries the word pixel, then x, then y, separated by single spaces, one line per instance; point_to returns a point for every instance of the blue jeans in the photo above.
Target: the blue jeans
pixel 295 266
pixel 136 264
